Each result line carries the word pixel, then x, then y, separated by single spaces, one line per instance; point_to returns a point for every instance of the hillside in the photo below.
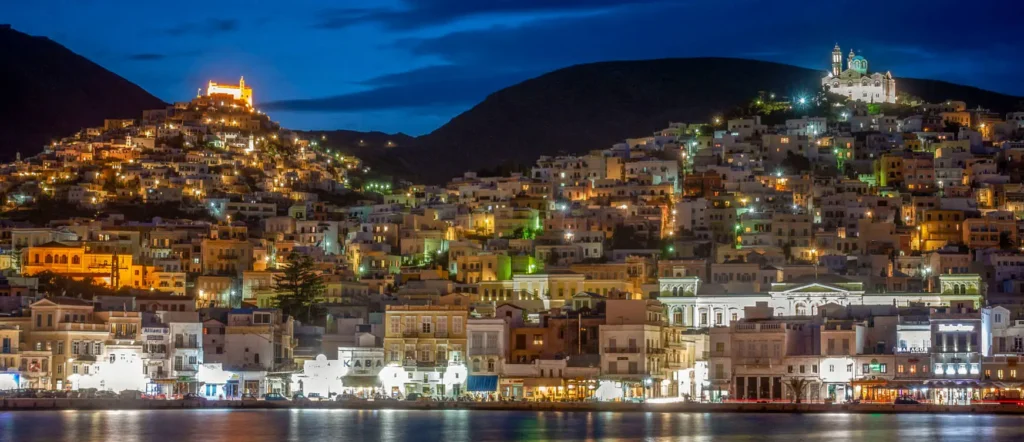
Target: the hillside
pixel 592 106
pixel 50 92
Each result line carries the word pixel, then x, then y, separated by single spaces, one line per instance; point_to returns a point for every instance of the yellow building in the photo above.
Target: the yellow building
pixel 78 261
pixel 989 230
pixel 428 344
pixel 241 92
pixel 938 228
pixel 21 367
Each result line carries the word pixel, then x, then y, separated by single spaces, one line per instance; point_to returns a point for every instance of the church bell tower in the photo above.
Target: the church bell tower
pixel 837 61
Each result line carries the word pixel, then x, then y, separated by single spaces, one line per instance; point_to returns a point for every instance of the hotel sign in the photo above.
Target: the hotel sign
pixel 955 328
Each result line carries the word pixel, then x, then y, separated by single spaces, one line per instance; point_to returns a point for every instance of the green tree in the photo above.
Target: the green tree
pixel 1006 241
pixel 299 289
pixel 798 388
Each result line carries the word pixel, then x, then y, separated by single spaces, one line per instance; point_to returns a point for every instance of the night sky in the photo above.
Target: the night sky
pixel 410 65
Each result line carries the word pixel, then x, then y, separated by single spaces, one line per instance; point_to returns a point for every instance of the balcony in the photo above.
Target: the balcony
pixel 441 334
pixel 623 350
pixel 186 345
pixel 186 368
pixel 484 351
pixel 656 351
pixel 410 334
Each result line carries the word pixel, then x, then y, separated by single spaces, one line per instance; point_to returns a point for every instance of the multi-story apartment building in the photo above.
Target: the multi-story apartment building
pixel 428 344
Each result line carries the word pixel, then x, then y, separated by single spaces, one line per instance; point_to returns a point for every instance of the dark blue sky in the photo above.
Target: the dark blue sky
pixel 410 65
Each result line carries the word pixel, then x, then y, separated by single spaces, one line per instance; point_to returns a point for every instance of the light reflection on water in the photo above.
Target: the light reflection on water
pixel 462 425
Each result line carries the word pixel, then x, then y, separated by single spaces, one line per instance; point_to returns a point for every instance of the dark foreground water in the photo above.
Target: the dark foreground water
pixel 461 425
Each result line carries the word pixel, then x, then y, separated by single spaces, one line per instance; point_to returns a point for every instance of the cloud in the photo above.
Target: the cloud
pixel 154 56
pixel 423 13
pixel 423 88
pixel 755 29
pixel 208 27
pixel 147 56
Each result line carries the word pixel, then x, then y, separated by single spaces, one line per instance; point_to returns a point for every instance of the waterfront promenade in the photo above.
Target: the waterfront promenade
pixel 141 404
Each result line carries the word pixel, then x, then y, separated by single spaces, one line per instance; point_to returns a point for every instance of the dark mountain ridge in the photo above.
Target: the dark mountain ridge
pixel 51 92
pixel 592 106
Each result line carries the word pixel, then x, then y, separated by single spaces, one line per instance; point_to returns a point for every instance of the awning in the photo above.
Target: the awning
pixel 542 382
pixel 360 381
pixel 482 383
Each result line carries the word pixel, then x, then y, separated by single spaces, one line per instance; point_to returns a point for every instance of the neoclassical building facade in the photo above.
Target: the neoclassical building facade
pixel 856 83
pixel 687 305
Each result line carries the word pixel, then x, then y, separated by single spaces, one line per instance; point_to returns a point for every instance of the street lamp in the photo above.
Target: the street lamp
pixel 814 259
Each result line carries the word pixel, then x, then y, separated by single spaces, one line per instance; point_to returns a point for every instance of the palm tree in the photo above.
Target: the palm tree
pixel 797 386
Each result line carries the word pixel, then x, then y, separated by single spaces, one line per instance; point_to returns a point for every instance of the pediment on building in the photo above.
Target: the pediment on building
pixel 812 288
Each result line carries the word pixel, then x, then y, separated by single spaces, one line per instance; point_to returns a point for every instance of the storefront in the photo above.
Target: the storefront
pixel 954 392
pixel 544 389
pixel 580 389
pixel 511 388
pixel 362 386
pixel 482 386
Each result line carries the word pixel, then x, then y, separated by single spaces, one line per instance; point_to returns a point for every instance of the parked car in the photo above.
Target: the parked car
pixel 299 397
pixel 346 397
pixel 905 401
pixel 315 397
pixel 274 397
pixel 193 397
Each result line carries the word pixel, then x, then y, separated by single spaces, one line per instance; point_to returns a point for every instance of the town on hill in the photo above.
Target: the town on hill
pixel 849 244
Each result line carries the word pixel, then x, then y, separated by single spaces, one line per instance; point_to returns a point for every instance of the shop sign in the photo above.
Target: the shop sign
pixel 955 327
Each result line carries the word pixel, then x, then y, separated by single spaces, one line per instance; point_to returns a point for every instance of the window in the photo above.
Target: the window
pixel 899 368
pixel 865 369
pixel 814 368
pixel 883 368
pixel 113 358
pixel 60 347
pixel 426 324
pixel 802 369
pixel 1013 373
pixel 538 339
pixel 831 368
pixel 74 347
pixel 457 325
pixel 999 374
pixel 789 369
pixel 395 324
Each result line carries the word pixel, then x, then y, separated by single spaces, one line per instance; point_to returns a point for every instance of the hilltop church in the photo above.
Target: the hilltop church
pixel 855 82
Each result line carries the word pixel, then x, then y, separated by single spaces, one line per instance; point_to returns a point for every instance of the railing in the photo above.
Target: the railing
pixel 186 345
pixel 655 350
pixel 186 367
pixel 622 350
pixel 441 334
pixel 410 334
pixel 484 351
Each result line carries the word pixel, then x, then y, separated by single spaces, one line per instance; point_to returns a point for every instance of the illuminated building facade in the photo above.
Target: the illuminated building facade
pixel 239 92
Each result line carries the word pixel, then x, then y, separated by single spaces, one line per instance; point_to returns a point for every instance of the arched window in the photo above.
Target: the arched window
pixel 476 365
pixel 64 259
pixel 76 260
pixel 490 365
pixel 49 259
pixel 801 310
pixel 675 291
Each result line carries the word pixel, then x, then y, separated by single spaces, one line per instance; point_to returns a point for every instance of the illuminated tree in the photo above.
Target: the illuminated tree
pixel 299 288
